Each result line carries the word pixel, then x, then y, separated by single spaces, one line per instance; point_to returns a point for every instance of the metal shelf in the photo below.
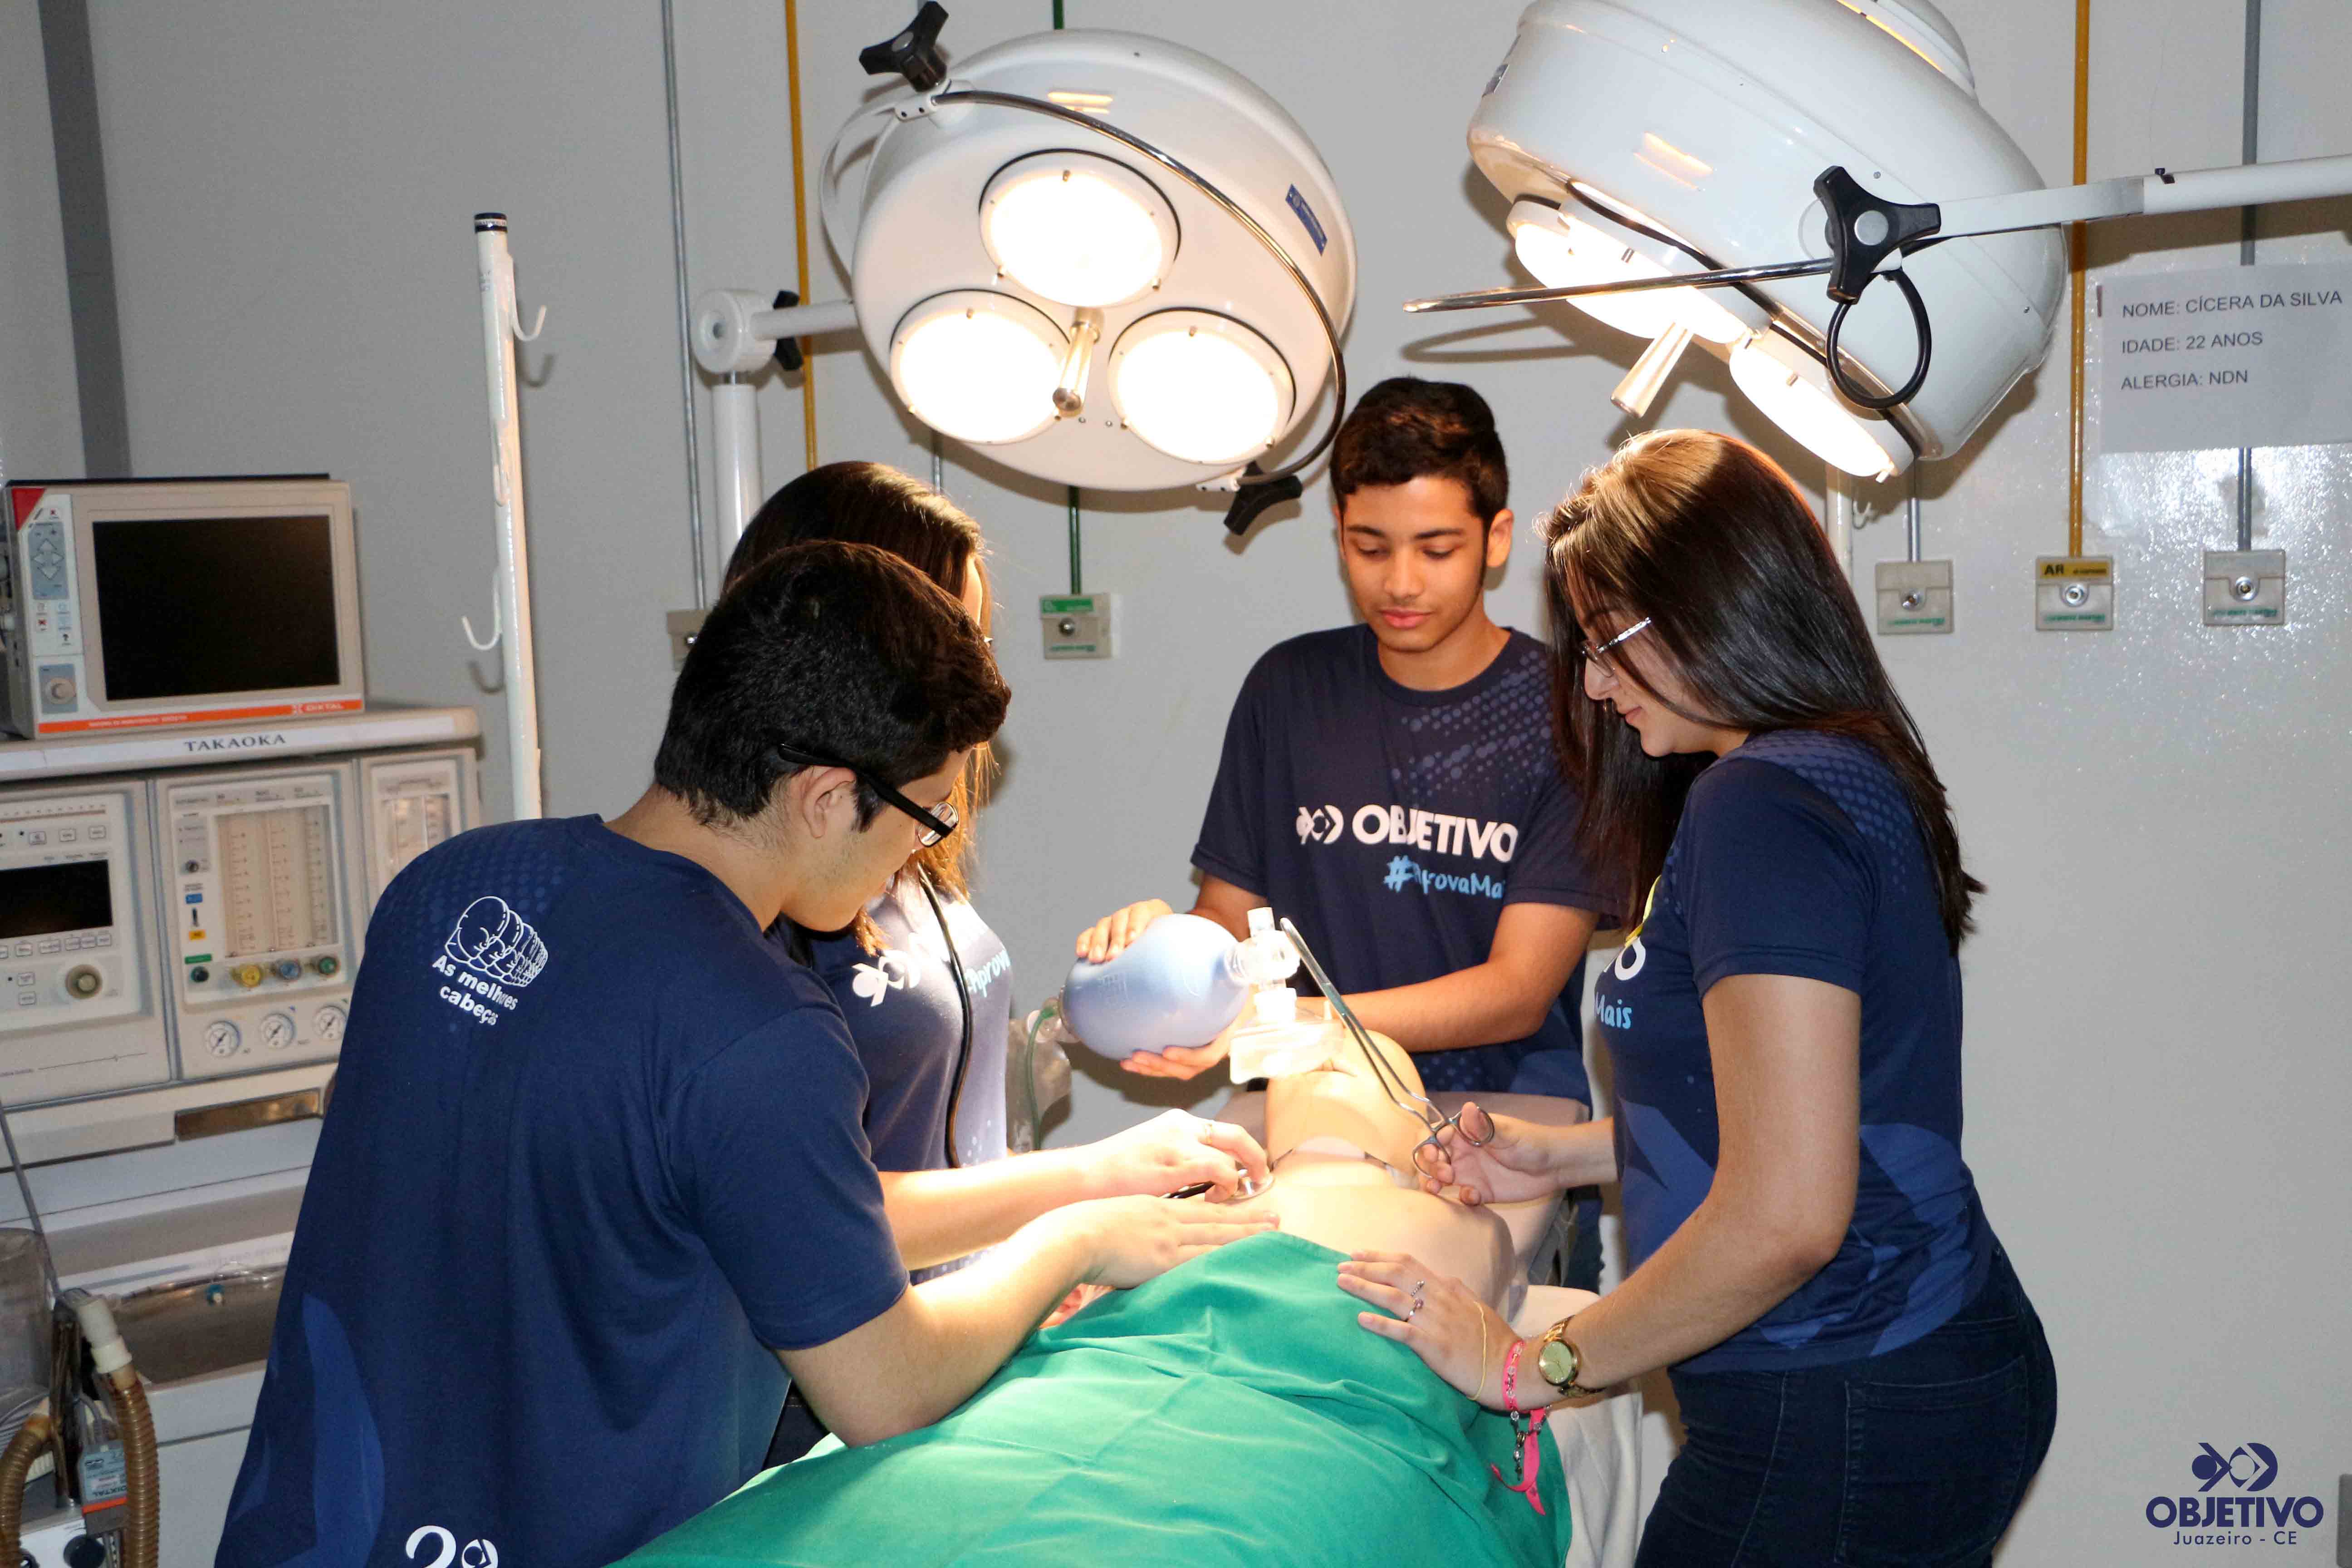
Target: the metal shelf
pixel 192 746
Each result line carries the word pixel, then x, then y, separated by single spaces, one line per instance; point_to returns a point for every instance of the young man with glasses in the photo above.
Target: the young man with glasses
pixel 1392 787
pixel 594 1184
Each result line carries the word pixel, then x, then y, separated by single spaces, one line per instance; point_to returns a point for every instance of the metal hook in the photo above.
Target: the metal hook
pixel 498 629
pixel 538 325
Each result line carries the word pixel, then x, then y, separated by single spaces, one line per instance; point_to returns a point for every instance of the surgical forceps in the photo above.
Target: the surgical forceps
pixel 1478 1131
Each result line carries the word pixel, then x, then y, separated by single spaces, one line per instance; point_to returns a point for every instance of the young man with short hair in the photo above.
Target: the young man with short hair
pixel 594 1184
pixel 1391 786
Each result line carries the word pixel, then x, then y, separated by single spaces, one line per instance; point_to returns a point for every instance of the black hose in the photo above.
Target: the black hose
pixel 1852 390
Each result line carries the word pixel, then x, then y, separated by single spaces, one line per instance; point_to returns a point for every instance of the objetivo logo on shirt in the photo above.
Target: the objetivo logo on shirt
pixel 2249 1519
pixel 1411 827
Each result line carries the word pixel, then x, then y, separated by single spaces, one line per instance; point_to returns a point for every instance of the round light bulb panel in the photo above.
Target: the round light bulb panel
pixel 1077 228
pixel 1200 387
pixel 978 365
pixel 903 201
pixel 1563 251
pixel 1793 391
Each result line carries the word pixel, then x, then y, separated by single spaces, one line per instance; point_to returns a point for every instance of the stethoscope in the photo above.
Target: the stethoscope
pixel 963 997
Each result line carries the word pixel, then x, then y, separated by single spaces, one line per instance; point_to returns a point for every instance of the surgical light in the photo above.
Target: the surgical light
pixel 1794 392
pixel 1200 387
pixel 1078 229
pixel 1753 148
pixel 977 365
pixel 1061 246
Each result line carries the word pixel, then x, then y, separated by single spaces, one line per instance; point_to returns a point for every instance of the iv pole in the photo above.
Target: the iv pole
pixel 511 613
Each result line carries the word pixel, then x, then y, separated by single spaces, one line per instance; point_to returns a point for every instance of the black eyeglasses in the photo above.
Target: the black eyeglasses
pixel 936 824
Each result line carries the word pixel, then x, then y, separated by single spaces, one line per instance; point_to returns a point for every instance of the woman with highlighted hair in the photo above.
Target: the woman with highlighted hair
pixel 923 982
pixel 1861 1377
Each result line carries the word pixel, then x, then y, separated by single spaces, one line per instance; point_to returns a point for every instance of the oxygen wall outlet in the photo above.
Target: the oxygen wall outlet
pixel 2245 587
pixel 1079 625
pixel 2074 594
pixel 1915 597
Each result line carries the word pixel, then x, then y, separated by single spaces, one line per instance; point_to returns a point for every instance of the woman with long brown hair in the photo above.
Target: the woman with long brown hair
pixel 891 972
pixel 1861 1377
pixel 925 985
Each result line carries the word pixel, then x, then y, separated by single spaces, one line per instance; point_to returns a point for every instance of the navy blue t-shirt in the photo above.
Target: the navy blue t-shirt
pixel 1797 853
pixel 1392 825
pixel 907 1025
pixel 594 1155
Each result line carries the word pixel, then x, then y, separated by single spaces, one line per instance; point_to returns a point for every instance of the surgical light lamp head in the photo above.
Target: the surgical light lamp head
pixel 977 365
pixel 1077 228
pixel 1109 259
pixel 1642 138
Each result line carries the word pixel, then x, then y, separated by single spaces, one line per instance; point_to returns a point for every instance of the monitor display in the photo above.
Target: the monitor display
pixel 42 900
pixel 194 606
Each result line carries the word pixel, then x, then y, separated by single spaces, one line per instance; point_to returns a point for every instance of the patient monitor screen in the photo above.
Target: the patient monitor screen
pixel 189 607
pixel 40 901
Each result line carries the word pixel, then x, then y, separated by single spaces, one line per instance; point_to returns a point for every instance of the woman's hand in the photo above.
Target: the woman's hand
pixel 1460 1338
pixel 1131 1241
pixel 1108 937
pixel 1513 1164
pixel 1174 1149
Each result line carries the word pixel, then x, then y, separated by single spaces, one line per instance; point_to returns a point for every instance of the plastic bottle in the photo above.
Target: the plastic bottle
pixel 1179 984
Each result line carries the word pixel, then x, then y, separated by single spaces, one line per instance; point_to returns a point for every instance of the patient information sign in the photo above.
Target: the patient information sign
pixel 2235 356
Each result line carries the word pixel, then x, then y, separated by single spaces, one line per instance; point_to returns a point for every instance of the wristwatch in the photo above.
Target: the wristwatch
pixel 1558 1362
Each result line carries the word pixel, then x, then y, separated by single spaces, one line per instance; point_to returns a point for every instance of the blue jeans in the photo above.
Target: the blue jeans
pixel 1917 1458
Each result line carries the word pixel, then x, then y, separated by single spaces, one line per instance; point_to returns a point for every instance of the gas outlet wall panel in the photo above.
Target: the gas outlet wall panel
pixel 1915 597
pixel 79 1012
pixel 2074 594
pixel 2244 587
pixel 263 903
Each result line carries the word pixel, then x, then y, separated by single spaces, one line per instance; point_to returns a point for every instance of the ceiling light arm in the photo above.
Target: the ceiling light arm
pixel 954 95
pixel 1720 278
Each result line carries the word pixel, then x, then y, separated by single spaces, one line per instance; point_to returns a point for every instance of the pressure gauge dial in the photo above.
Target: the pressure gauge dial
pixel 223 1039
pixel 277 1031
pixel 327 1024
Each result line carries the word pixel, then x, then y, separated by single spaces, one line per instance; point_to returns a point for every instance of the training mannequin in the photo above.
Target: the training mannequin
pixel 1341 1153
pixel 1333 1445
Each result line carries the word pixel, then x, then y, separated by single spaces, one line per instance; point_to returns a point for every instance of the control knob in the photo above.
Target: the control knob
pixel 247 975
pixel 61 688
pixel 287 969
pixel 83 983
pixel 326 963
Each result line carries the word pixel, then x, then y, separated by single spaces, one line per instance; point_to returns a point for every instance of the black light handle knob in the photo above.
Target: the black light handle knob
pixel 913 52
pixel 1253 498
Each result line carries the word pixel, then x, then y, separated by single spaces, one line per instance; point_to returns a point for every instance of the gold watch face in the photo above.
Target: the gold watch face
pixel 1556 1362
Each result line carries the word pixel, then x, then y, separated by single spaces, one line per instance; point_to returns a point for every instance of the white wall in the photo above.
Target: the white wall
pixel 40 417
pixel 2157 1051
